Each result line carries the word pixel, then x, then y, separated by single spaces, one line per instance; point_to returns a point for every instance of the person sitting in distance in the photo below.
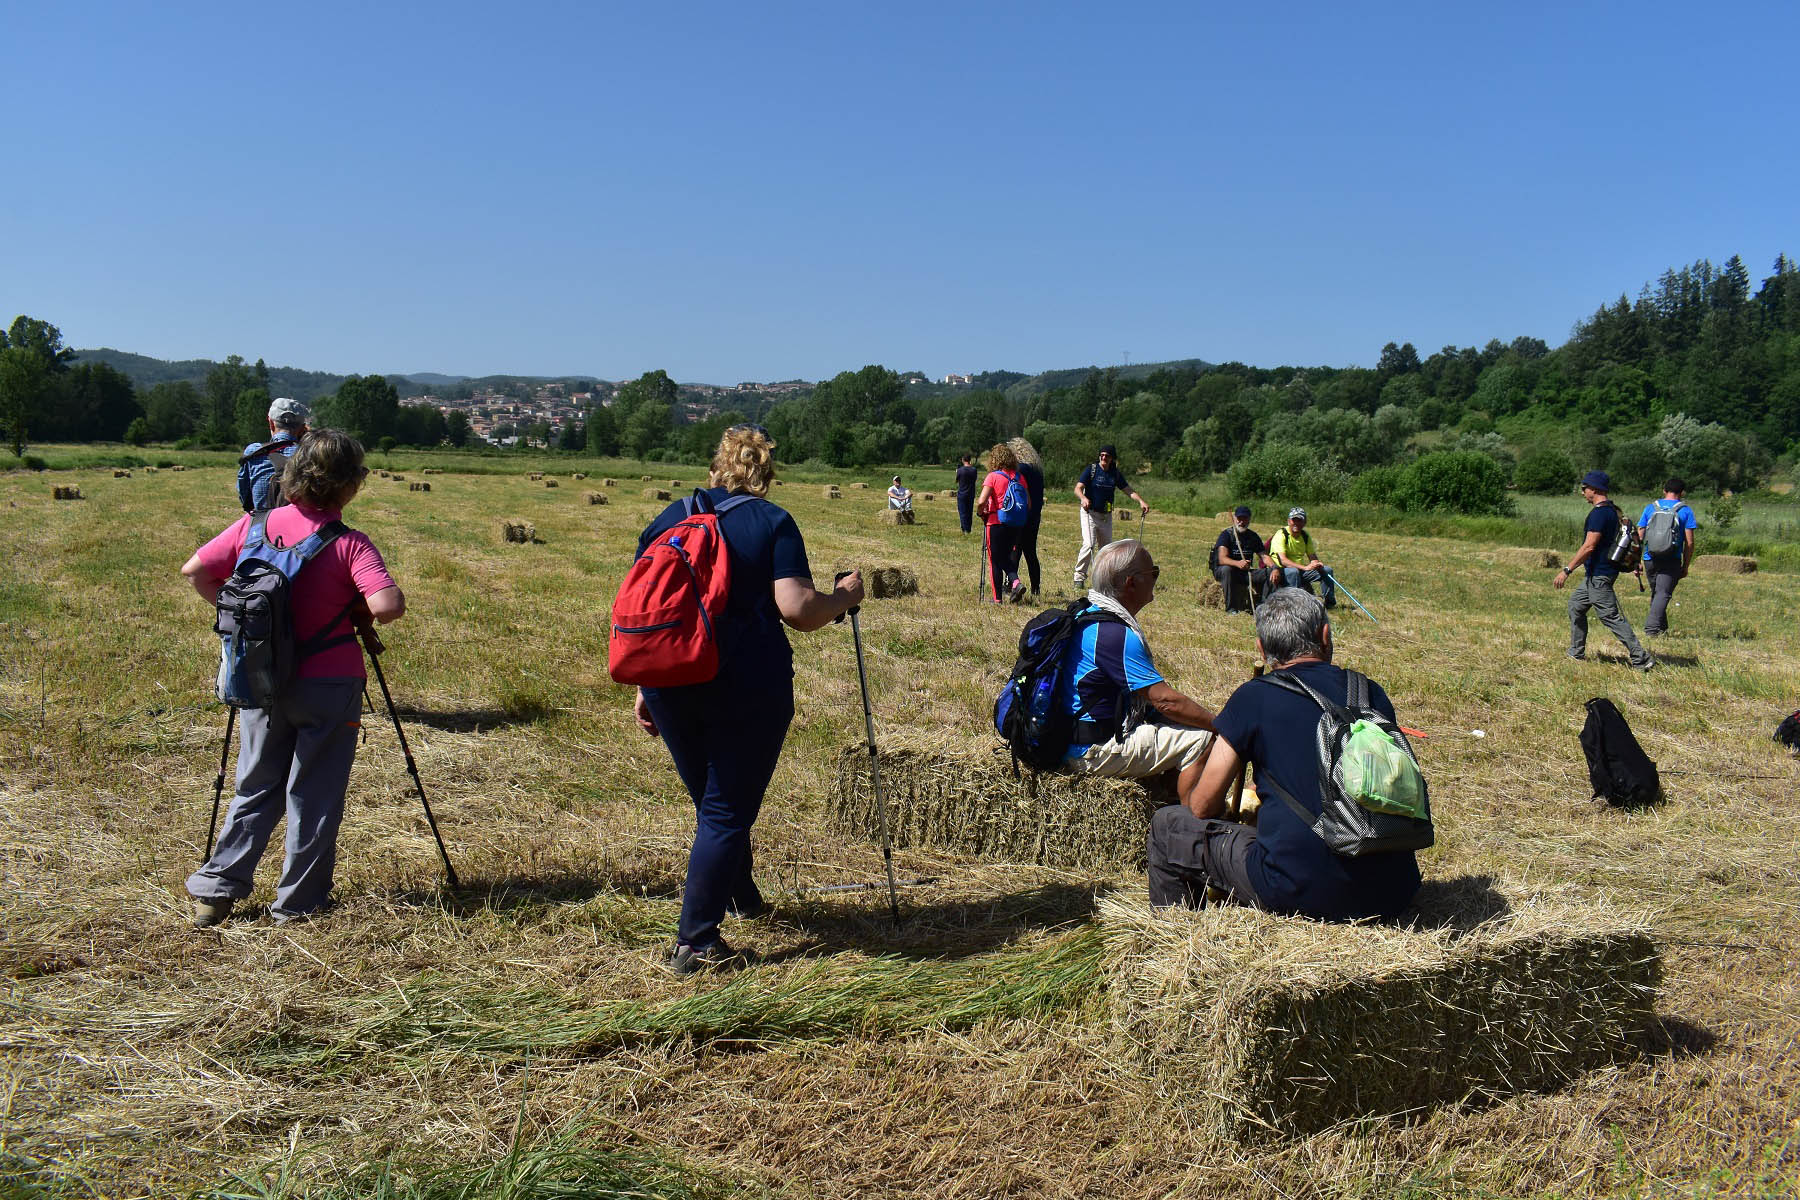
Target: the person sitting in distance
pixel 1281 865
pixel 899 497
pixel 1129 723
pixel 1243 563
pixel 1293 551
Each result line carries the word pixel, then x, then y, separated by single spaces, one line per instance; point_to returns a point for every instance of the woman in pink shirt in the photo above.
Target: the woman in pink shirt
pixel 295 755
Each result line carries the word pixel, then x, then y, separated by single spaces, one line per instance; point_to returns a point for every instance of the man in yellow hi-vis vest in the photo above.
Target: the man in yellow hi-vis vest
pixel 1294 552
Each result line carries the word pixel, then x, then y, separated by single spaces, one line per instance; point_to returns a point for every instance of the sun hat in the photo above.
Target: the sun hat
pixel 1600 481
pixel 289 413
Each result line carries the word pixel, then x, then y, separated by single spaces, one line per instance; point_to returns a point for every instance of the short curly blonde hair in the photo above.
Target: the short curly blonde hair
pixel 1002 458
pixel 745 460
pixel 324 470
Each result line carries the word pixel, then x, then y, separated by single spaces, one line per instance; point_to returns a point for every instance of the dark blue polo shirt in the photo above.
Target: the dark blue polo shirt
pixel 1101 483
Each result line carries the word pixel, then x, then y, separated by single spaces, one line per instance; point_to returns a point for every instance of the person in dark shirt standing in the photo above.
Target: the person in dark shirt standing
pixel 966 479
pixel 1031 470
pixel 1242 562
pixel 1281 865
pixel 1095 490
pixel 1596 590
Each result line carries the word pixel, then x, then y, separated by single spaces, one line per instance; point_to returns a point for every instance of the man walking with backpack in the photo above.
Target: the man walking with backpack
pixel 1095 490
pixel 1605 549
pixel 1668 526
pixel 259 470
pixel 1285 864
pixel 966 478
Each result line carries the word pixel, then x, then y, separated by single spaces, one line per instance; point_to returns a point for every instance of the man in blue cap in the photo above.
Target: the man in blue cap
pixel 1241 563
pixel 1596 590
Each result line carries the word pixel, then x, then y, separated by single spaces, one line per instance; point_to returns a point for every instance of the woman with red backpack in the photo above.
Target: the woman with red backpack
pixel 725 733
pixel 1005 505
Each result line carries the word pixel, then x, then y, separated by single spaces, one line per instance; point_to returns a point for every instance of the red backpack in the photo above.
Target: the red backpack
pixel 663 618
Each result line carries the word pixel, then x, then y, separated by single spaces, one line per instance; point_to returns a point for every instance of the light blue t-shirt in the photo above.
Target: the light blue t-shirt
pixel 1684 517
pixel 1105 663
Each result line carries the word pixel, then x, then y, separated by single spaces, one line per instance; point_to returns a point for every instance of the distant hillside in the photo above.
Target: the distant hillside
pixel 145 372
pixel 1072 377
pixel 433 379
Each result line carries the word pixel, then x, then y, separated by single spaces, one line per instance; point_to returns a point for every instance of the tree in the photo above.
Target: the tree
pixel 456 428
pixel 172 410
pixel 252 415
pixel 1397 360
pixel 365 407
pixel 23 379
pixel 573 437
pixel 224 384
pixel 647 427
pixel 602 432
pixel 652 387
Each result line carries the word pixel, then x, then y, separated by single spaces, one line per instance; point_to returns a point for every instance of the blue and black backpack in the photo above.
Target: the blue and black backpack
pixel 1015 504
pixel 1031 712
pixel 255 621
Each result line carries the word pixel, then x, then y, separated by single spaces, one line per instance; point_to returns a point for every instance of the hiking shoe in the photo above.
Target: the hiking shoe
pixel 208 913
pixel 1575 656
pixel 1016 592
pixel 1645 665
pixel 760 912
pixel 714 956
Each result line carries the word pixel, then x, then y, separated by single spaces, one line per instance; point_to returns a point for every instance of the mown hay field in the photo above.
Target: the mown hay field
pixel 968 1052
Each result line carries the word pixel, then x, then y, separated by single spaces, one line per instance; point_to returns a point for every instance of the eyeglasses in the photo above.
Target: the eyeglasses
pixel 1155 571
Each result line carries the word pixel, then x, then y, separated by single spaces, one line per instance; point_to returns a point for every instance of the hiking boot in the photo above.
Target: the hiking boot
pixel 208 913
pixel 1645 665
pixel 760 912
pixel 1575 656
pixel 714 956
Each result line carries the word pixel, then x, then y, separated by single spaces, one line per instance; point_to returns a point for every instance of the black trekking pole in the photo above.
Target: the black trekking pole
pixel 981 582
pixel 881 816
pixel 373 645
pixel 219 782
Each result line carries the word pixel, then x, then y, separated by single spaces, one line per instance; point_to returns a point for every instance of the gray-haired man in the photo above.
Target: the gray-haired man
pixel 259 470
pixel 1281 865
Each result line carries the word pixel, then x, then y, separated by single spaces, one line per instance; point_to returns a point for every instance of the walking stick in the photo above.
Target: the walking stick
pixel 981 583
pixel 373 645
pixel 881 815
pixel 219 782
pixel 1353 599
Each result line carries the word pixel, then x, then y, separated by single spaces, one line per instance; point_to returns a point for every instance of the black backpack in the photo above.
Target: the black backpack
pixel 1344 824
pixel 255 623
pixel 1788 732
pixel 1029 712
pixel 1617 766
pixel 1625 548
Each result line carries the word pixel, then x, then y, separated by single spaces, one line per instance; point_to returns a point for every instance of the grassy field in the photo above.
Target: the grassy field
pixel 519 1035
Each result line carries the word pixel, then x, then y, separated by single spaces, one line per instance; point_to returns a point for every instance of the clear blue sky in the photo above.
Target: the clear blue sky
pixel 758 192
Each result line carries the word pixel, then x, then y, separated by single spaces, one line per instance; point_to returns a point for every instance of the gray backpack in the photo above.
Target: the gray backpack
pixel 1662 533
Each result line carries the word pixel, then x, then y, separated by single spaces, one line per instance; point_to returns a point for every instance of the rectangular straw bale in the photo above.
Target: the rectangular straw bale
pixel 418 487
pixel 65 493
pixel 1725 564
pixel 883 583
pixel 121 474
pixel 549 483
pixel 656 493
pixel 674 483
pixel 860 484
pixel 178 467
pixel 832 493
pixel 897 516
pixel 644 478
pixel 518 531
pixel 578 475
pixel 595 497
pixel 398 478
pixel 433 470
pixel 1258 1025
pixel 1519 556
pixel 958 794
pixel 536 475
pixel 928 495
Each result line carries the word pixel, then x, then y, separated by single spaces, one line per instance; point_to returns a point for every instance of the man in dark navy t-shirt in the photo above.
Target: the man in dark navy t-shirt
pixel 1281 865
pixel 1596 590
pixel 1095 490
pixel 966 479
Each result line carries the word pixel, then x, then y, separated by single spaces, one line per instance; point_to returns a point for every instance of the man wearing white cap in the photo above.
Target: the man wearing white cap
pixel 900 497
pixel 259 470
pixel 1293 551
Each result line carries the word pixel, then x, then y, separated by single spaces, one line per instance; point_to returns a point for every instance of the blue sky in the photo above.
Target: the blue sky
pixel 737 192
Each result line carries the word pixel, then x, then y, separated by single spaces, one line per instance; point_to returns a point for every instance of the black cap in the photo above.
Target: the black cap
pixel 1242 510
pixel 1109 450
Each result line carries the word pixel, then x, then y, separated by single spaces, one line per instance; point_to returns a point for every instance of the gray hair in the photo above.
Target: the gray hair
pixel 1116 562
pixel 1290 623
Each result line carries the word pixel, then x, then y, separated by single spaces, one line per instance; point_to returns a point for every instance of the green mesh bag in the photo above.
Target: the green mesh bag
pixel 1378 773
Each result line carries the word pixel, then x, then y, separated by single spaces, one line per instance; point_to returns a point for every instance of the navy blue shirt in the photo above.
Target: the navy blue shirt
pixel 1034 488
pixel 1291 869
pixel 966 476
pixel 763 544
pixel 1602 519
pixel 1101 483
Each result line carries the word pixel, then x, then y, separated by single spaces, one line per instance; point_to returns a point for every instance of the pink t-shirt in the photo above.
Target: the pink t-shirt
pixel 348 568
pixel 995 488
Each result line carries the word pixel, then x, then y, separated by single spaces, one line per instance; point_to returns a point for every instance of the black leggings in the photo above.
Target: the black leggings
pixel 1003 558
pixel 1027 549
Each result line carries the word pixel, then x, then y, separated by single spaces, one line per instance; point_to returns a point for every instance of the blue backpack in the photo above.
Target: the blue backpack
pixel 256 465
pixel 255 622
pixel 1015 505
pixel 1030 712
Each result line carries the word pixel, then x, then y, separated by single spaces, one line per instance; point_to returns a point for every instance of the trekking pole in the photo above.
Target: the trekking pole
pixel 1353 599
pixel 981 582
pixel 219 782
pixel 373 645
pixel 881 816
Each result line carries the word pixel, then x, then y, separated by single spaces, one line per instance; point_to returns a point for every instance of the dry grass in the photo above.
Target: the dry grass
pixel 147 1059
pixel 897 516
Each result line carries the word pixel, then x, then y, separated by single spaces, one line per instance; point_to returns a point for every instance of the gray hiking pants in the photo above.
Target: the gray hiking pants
pixel 293 757
pixel 1662 586
pixel 1597 593
pixel 1187 855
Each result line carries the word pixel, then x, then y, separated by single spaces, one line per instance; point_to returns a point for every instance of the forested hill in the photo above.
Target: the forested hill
pixel 146 372
pixel 1046 381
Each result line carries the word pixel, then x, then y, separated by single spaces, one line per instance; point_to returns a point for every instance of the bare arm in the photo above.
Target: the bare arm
pixel 805 608
pixel 1177 708
pixel 196 573
pixel 387 605
pixel 1081 494
pixel 1207 800
pixel 1687 554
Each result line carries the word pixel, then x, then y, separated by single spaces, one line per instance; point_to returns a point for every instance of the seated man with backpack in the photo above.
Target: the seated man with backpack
pixel 1334 839
pixel 1126 722
pixel 259 470
pixel 1240 562
pixel 1668 526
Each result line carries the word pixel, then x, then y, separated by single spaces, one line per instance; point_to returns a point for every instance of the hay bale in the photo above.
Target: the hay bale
pixel 675 483
pixel 418 487
pixel 1211 594
pixel 178 467
pixel 656 493
pixel 887 583
pixel 775 483
pixel 65 493
pixel 943 795
pixel 398 478
pixel 432 470
pixel 861 485
pixel 928 495
pixel 536 475
pixel 832 493
pixel 579 475
pixel 518 531
pixel 897 516
pixel 549 483
pixel 644 478
pixel 149 470
pixel 1262 1025
pixel 1519 556
pixel 609 483
pixel 595 497
pixel 1725 564
pixel 119 473
pixel 1224 518
pixel 1122 514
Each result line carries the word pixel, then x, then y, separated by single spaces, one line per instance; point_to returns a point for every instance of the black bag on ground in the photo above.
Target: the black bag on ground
pixel 1788 732
pixel 1352 820
pixel 1617 766
pixel 1029 712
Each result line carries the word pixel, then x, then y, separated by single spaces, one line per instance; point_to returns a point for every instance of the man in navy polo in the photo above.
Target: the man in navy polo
pixel 1095 490
pixel 1596 590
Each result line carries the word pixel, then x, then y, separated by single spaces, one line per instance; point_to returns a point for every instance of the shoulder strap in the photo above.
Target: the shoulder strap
pixel 1292 683
pixel 261 451
pixel 257 534
pixel 730 502
pixel 320 538
pixel 1356 689
pixel 1263 779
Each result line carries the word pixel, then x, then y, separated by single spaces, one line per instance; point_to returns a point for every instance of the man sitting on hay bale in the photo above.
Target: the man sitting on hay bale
pixel 1282 865
pixel 899 497
pixel 1111 684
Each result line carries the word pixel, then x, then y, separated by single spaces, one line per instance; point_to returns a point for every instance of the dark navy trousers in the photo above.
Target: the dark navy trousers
pixel 726 741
